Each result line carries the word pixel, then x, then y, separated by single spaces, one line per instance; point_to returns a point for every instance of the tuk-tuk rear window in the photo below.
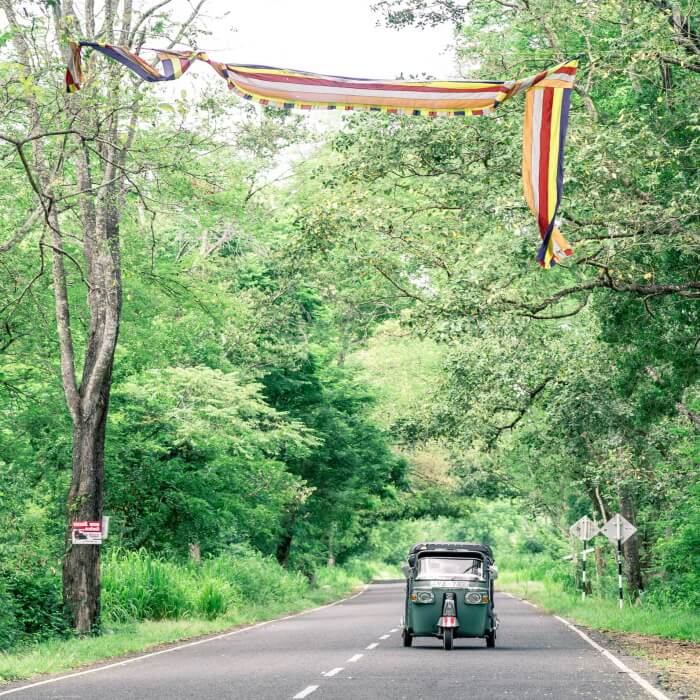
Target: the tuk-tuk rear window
pixel 450 567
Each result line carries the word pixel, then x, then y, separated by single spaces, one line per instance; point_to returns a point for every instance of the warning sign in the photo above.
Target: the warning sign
pixel 618 528
pixel 86 532
pixel 585 529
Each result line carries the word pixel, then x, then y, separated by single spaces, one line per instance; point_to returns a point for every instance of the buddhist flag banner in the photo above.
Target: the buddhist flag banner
pixel 546 110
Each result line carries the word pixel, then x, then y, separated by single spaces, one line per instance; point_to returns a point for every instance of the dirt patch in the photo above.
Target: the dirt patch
pixel 677 661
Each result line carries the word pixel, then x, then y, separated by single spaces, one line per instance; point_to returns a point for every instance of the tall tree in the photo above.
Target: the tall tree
pixel 75 153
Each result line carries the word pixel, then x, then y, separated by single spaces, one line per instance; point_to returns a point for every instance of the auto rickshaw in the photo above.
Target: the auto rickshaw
pixel 449 593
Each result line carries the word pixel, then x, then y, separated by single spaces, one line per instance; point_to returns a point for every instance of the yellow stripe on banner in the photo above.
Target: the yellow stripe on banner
pixel 553 164
pixel 527 152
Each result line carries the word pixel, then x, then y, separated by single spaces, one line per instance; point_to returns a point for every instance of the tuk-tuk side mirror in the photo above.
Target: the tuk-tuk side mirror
pixel 406 570
pixel 493 570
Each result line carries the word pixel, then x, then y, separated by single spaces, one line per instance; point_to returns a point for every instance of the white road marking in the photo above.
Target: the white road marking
pixel 333 671
pixel 654 692
pixel 357 657
pixel 307 691
pixel 385 636
pixel 177 648
pixel 373 645
pixel 396 629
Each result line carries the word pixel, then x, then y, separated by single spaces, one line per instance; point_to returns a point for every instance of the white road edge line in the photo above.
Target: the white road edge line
pixel 357 657
pixel 373 645
pixel 655 692
pixel 333 672
pixel 307 691
pixel 385 636
pixel 181 646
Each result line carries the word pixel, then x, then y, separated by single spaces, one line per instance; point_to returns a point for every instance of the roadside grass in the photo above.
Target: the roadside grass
pixel 142 586
pixel 604 614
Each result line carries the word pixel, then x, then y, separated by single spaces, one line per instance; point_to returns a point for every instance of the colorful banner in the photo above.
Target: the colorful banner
pixel 546 110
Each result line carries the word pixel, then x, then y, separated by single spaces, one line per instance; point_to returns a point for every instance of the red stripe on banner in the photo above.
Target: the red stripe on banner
pixel 301 80
pixel 545 132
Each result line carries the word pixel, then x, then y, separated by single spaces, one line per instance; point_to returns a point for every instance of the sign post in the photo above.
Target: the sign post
pixel 584 529
pixel 619 530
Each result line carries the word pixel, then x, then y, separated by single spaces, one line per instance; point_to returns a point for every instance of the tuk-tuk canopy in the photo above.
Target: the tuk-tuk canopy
pixel 449 548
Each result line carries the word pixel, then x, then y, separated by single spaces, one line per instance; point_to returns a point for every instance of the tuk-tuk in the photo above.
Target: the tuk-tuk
pixel 449 592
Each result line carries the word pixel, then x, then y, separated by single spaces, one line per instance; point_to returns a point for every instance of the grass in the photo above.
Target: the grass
pixel 603 613
pixel 191 601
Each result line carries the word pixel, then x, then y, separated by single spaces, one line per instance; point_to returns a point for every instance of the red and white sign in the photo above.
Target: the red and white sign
pixel 86 532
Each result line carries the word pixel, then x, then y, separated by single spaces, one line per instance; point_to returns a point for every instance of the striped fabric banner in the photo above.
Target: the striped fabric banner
pixel 546 112
pixel 544 133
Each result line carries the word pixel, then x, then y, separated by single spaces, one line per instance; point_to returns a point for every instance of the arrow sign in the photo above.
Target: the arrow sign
pixel 617 528
pixel 585 529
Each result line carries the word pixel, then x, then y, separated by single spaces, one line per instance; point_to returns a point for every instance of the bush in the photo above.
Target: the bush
pixel 8 622
pixel 139 586
pixel 35 601
pixel 214 599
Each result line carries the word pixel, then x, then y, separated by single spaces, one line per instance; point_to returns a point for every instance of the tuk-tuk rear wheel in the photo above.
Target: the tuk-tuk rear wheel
pixel 491 639
pixel 407 638
pixel 447 638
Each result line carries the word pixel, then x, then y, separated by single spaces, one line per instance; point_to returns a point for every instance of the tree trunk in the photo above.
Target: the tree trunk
pixel 81 565
pixel 631 548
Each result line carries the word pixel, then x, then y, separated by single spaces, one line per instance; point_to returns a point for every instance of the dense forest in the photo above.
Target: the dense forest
pixel 247 335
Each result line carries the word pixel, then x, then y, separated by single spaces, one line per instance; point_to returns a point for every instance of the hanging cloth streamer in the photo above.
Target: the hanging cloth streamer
pixel 546 110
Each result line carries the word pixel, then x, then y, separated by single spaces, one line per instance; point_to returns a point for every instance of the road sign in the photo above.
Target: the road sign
pixel 617 528
pixel 585 529
pixel 86 532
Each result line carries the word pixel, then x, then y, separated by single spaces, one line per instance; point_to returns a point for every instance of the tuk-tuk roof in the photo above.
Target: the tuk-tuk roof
pixel 451 547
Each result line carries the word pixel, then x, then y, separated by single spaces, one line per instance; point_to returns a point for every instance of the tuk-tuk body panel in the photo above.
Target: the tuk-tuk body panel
pixel 422 618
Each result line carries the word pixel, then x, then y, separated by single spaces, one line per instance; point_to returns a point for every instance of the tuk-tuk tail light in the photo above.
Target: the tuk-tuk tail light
pixel 423 597
pixel 474 598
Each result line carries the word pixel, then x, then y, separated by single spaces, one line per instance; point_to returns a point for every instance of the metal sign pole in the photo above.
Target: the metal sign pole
pixel 583 563
pixel 619 562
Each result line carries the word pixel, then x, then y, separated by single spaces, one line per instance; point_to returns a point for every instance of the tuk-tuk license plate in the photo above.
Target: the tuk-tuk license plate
pixel 450 584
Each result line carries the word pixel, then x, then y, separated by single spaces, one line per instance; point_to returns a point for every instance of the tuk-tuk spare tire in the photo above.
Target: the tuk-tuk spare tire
pixel 447 638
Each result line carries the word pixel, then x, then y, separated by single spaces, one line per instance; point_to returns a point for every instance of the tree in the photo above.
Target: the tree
pixel 75 153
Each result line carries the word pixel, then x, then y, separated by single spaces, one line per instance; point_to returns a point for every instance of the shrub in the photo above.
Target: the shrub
pixel 140 586
pixel 8 622
pixel 36 603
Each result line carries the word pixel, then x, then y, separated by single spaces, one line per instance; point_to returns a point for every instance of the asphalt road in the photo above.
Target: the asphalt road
pixel 353 651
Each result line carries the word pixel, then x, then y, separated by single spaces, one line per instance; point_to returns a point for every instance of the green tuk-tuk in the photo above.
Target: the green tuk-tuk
pixel 449 592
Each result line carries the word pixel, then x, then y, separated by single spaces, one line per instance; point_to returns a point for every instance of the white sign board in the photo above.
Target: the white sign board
pixel 585 529
pixel 86 532
pixel 617 528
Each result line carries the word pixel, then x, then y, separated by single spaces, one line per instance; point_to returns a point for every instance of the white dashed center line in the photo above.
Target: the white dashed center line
pixel 357 657
pixel 396 629
pixel 385 636
pixel 333 671
pixel 307 691
pixel 373 645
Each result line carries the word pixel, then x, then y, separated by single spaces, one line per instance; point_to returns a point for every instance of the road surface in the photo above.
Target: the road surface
pixel 353 651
